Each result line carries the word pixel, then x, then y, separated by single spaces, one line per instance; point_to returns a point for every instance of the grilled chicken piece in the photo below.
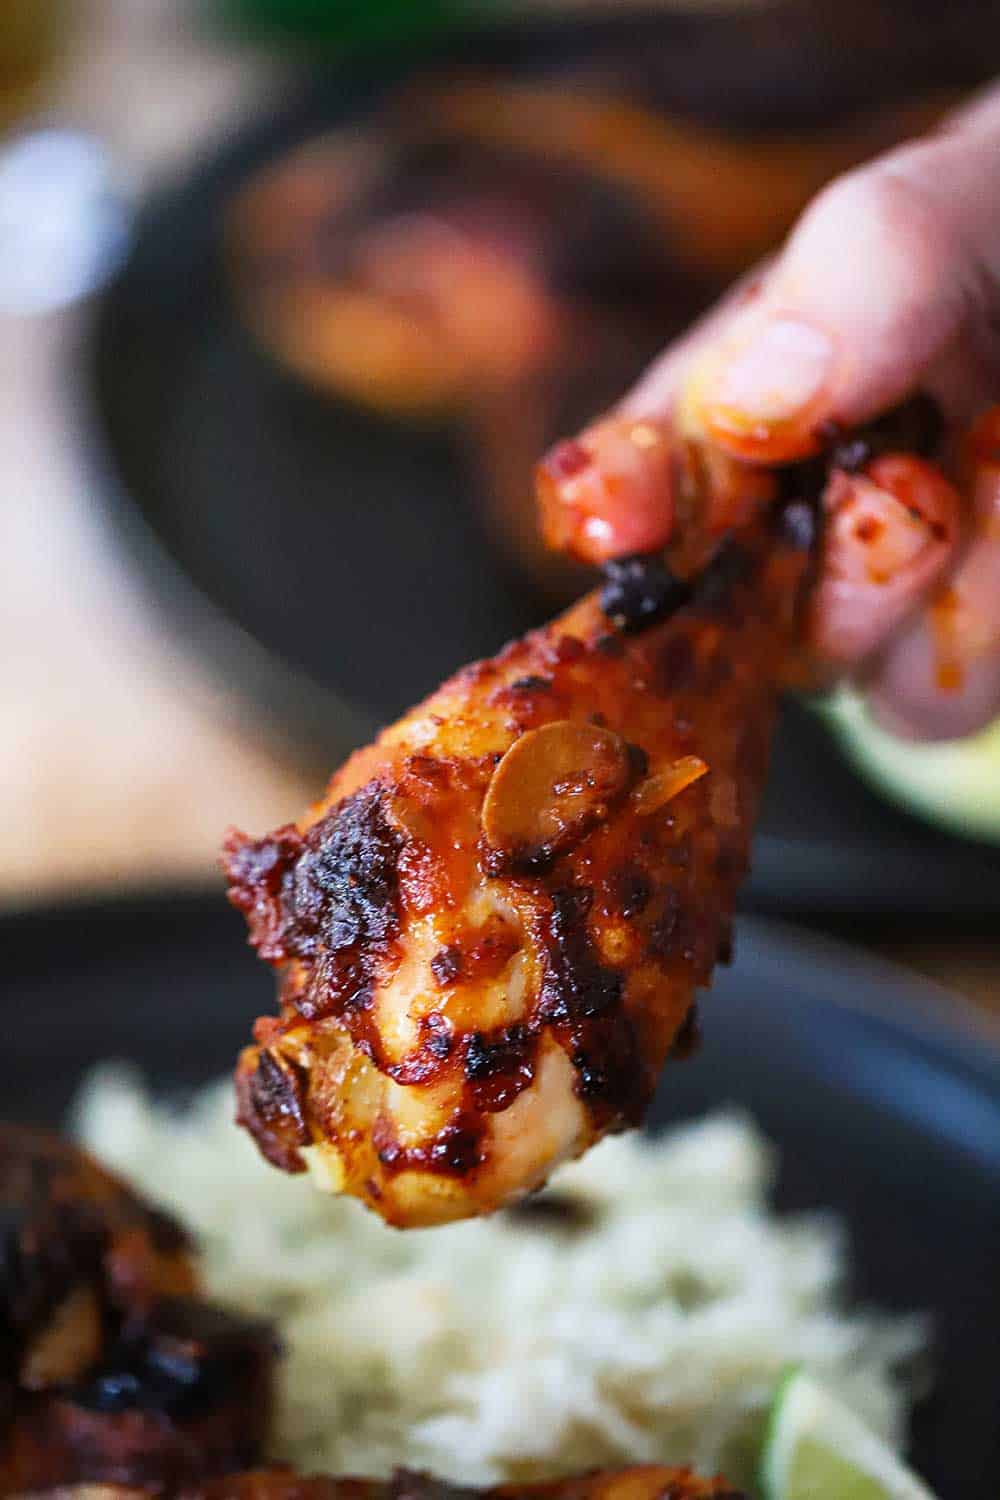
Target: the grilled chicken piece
pixel 417 268
pixel 491 928
pixel 485 290
pixel 111 1369
pixel 395 278
pixel 76 1242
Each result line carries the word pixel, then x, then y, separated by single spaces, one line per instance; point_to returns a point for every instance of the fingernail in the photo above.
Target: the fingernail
pixel 778 374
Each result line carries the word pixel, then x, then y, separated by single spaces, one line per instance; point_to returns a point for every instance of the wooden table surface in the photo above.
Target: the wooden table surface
pixel 120 759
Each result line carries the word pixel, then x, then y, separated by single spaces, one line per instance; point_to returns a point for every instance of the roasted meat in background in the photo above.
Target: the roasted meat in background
pixel 112 1369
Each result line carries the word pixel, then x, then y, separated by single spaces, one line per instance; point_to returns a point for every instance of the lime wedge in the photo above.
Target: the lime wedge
pixel 816 1449
pixel 955 783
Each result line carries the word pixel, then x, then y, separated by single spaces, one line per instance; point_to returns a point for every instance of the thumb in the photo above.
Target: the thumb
pixel 891 268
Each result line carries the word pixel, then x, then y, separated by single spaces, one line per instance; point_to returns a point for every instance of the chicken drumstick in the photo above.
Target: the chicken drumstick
pixel 490 930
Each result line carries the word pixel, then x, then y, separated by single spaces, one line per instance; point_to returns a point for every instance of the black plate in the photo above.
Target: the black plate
pixel 333 567
pixel 883 1108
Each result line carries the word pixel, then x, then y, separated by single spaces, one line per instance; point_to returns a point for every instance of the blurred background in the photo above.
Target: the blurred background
pixel 292 294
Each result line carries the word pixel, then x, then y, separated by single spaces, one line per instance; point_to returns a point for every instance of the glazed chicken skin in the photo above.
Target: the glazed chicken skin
pixel 112 1369
pixel 490 930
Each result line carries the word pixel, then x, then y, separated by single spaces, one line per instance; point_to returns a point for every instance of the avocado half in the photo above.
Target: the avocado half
pixel 954 784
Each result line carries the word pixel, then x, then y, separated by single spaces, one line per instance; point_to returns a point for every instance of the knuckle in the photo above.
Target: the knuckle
pixel 891 208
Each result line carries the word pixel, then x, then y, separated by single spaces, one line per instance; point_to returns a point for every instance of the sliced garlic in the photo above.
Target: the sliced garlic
pixel 553 784
pixel 664 785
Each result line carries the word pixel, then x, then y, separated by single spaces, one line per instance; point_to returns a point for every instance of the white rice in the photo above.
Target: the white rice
pixel 500 1349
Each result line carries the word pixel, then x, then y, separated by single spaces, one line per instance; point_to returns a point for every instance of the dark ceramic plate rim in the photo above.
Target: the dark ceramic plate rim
pixel 829 973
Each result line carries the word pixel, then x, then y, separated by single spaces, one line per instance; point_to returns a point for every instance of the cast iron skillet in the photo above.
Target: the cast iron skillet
pixel 332 566
pixel 882 1097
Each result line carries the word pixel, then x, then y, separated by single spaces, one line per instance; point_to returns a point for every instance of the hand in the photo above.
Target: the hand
pixel 889 284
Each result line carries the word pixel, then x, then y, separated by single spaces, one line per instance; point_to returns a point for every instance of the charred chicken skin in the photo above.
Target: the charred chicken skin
pixel 111 1368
